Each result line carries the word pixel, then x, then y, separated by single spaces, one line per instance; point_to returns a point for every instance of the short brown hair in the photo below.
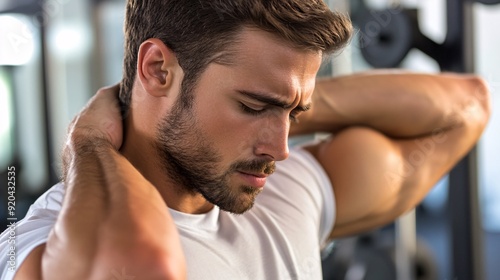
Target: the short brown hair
pixel 197 31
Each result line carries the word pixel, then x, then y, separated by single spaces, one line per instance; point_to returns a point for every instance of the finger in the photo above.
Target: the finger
pixel 109 93
pixel 106 98
pixel 113 89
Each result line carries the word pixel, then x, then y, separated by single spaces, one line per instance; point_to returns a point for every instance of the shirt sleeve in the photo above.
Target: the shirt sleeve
pixel 17 241
pixel 326 196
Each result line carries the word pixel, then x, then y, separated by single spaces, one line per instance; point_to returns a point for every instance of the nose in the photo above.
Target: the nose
pixel 272 140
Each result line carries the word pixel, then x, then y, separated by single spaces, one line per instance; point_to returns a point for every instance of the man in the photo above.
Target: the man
pixel 209 92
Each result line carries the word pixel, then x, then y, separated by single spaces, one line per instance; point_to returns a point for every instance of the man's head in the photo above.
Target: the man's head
pixel 200 32
pixel 223 79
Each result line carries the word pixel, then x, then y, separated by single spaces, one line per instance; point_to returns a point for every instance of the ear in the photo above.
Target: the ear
pixel 156 67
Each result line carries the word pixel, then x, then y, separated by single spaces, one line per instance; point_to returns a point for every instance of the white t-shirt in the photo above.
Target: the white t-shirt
pixel 280 238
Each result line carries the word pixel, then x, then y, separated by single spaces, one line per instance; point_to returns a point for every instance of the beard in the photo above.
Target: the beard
pixel 191 162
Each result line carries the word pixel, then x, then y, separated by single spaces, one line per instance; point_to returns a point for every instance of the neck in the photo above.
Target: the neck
pixel 139 149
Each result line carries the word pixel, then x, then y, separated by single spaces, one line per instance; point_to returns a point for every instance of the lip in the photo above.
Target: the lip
pixel 257 180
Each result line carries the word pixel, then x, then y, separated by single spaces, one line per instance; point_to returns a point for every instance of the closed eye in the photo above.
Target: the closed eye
pixel 250 110
pixel 254 112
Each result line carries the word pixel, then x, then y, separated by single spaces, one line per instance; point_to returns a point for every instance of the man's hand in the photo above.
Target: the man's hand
pixel 99 123
pixel 112 219
pixel 100 119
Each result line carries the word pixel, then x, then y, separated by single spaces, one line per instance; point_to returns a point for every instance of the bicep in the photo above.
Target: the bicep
pixel 376 178
pixel 359 162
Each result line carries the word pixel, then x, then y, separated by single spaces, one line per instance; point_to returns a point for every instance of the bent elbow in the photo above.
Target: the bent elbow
pixel 474 112
pixel 481 105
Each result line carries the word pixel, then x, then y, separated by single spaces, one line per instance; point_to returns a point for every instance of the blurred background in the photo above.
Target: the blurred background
pixel 54 54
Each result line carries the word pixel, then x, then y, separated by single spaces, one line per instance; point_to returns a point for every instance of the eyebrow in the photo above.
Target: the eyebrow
pixel 264 98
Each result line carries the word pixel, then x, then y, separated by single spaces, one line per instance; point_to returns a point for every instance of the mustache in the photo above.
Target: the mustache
pixel 255 166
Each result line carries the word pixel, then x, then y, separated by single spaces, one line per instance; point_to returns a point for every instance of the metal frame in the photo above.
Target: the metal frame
pixel 456 54
pixel 463 202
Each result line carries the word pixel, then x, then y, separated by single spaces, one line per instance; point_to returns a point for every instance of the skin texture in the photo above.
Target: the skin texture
pixel 395 135
pixel 106 225
pixel 392 148
pixel 217 122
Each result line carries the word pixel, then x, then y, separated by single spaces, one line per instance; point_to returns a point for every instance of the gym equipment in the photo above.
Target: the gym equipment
pixel 489 2
pixel 386 37
pixel 372 256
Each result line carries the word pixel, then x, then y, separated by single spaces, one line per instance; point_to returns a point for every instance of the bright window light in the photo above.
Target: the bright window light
pixel 4 109
pixel 70 40
pixel 16 43
pixel 5 123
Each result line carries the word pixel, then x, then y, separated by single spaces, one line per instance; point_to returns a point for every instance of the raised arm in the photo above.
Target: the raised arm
pixel 396 135
pixel 398 104
pixel 113 221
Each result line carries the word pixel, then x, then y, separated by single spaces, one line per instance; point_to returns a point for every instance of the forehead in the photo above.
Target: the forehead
pixel 271 64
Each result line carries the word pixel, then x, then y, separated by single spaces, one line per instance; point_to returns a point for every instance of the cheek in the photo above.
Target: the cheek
pixel 230 131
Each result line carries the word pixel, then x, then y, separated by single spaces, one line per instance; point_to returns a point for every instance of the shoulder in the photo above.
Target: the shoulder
pixel 51 200
pixel 302 167
pixel 30 232
pixel 299 194
pixel 301 172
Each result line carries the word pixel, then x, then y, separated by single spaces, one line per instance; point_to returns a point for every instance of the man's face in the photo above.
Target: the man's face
pixel 226 145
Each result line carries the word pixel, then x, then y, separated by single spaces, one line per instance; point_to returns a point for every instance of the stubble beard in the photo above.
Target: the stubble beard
pixel 191 161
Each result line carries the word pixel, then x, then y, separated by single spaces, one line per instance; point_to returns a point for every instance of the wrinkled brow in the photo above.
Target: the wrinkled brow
pixel 265 98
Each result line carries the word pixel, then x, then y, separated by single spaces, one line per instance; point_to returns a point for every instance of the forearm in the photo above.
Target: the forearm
pixel 401 105
pixel 112 218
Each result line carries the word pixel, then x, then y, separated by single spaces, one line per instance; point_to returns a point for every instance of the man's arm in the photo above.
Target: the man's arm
pixel 113 221
pixel 395 136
